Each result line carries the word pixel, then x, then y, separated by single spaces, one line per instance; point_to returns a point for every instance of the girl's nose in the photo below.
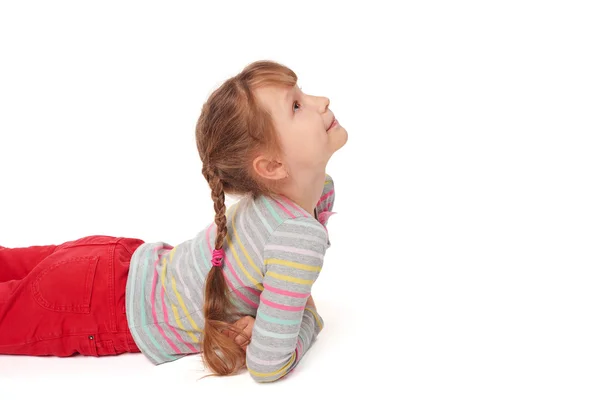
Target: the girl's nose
pixel 324 104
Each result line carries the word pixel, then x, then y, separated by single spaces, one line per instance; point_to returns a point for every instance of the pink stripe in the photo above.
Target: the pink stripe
pixel 166 316
pixel 154 316
pixel 291 204
pixel 325 196
pixel 323 217
pixel 246 235
pixel 300 347
pixel 290 371
pixel 280 306
pixel 232 270
pixel 285 210
pixel 208 238
pixel 285 292
pixel 240 295
pixel 237 278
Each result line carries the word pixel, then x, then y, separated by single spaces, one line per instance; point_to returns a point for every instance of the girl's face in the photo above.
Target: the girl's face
pixel 307 129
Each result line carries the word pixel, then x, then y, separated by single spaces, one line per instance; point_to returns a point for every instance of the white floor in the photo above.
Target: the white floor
pixel 327 366
pixel 465 253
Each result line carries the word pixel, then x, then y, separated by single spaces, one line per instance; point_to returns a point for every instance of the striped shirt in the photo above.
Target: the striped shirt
pixel 273 255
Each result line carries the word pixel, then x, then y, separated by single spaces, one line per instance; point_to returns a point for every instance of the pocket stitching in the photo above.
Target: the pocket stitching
pixel 91 272
pixel 107 346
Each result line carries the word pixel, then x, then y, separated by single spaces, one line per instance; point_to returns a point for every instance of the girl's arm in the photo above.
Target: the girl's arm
pixel 327 200
pixel 324 208
pixel 286 327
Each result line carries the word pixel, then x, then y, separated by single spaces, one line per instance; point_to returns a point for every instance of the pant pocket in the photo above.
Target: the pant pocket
pixel 66 285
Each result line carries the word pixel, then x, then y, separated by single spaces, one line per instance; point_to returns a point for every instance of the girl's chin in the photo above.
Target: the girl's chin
pixel 339 140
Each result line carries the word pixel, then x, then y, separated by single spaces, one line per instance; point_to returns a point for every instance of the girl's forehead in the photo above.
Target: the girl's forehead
pixel 274 97
pixel 272 92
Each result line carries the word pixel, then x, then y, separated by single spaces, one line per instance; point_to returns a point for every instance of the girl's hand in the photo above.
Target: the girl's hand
pixel 246 324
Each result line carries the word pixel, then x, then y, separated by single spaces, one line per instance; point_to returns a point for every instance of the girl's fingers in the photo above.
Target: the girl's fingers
pixel 245 324
pixel 248 331
pixel 240 340
pixel 241 323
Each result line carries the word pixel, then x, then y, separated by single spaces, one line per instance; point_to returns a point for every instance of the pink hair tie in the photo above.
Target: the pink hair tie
pixel 217 258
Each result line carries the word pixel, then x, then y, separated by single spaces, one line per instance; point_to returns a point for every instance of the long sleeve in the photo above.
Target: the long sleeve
pixel 327 199
pixel 285 328
pixel 324 208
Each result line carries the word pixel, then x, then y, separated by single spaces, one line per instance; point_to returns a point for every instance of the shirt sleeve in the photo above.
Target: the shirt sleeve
pixel 324 208
pixel 325 203
pixel 284 328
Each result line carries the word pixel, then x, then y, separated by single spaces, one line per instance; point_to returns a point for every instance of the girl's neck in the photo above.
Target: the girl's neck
pixel 304 189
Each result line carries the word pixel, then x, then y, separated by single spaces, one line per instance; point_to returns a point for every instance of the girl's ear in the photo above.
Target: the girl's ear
pixel 269 169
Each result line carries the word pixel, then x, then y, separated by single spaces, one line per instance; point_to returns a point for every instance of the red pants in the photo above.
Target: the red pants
pixel 67 299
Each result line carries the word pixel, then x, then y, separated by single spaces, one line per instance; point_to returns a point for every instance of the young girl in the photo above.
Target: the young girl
pixel 239 291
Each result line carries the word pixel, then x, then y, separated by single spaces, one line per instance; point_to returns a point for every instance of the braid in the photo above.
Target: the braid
pixel 233 126
pixel 218 197
pixel 221 354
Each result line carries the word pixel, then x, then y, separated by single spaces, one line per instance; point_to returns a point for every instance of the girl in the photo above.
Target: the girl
pixel 239 291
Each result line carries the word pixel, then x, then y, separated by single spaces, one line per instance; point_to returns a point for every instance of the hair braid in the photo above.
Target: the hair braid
pixel 232 129
pixel 218 197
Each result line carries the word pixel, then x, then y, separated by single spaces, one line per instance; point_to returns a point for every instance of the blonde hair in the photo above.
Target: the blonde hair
pixel 232 129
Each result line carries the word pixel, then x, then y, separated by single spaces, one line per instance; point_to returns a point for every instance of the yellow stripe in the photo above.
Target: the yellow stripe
pixel 239 242
pixel 179 298
pixel 256 283
pixel 162 280
pixel 282 370
pixel 177 318
pixel 289 278
pixel 179 324
pixel 326 182
pixel 316 318
pixel 240 264
pixel 182 305
pixel 163 273
pixel 292 264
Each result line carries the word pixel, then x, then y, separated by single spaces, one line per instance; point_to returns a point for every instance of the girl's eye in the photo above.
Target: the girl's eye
pixel 294 106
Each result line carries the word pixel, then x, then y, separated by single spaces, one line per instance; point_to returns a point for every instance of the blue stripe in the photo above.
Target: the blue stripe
pixel 144 322
pixel 259 214
pixel 279 321
pixel 132 328
pixel 270 207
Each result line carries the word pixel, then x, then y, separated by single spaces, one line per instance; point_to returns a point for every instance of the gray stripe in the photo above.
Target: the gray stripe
pixel 271 341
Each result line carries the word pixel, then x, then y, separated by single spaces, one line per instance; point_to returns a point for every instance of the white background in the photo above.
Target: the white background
pixel 465 252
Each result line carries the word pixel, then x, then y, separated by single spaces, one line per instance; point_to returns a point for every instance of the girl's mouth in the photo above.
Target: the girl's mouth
pixel 334 123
